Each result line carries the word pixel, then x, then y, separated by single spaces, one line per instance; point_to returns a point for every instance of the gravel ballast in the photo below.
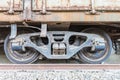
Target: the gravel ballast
pixel 60 75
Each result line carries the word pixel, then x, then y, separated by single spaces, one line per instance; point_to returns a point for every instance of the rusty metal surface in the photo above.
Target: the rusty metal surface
pixel 62 11
pixel 27 13
pixel 65 17
pixel 5 4
pixel 78 17
pixel 76 4
pixel 62 4
pixel 107 4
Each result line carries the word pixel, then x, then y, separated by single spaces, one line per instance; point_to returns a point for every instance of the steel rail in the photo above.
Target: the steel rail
pixel 60 67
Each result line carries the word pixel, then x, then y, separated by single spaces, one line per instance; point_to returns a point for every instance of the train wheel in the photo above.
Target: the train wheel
pixel 20 57
pixel 96 57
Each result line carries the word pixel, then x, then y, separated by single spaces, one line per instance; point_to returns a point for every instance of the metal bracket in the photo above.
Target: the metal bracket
pixel 13 33
pixel 93 11
pixel 43 7
pixel 11 10
pixel 44 10
pixel 43 30
pixel 27 13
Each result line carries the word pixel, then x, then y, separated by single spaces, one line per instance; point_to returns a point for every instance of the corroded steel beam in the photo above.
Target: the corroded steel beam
pixel 65 17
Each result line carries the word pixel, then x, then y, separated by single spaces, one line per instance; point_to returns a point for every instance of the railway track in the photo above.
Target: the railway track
pixel 60 67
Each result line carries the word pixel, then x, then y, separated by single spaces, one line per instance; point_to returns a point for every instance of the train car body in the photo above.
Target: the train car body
pixel 86 30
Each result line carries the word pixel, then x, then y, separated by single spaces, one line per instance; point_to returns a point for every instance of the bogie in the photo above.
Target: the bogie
pixel 91 45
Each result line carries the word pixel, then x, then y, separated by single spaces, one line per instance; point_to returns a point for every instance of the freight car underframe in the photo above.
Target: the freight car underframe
pixel 91 45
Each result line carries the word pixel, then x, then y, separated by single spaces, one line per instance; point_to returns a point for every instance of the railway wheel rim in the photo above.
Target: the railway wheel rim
pixel 18 57
pixel 89 57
